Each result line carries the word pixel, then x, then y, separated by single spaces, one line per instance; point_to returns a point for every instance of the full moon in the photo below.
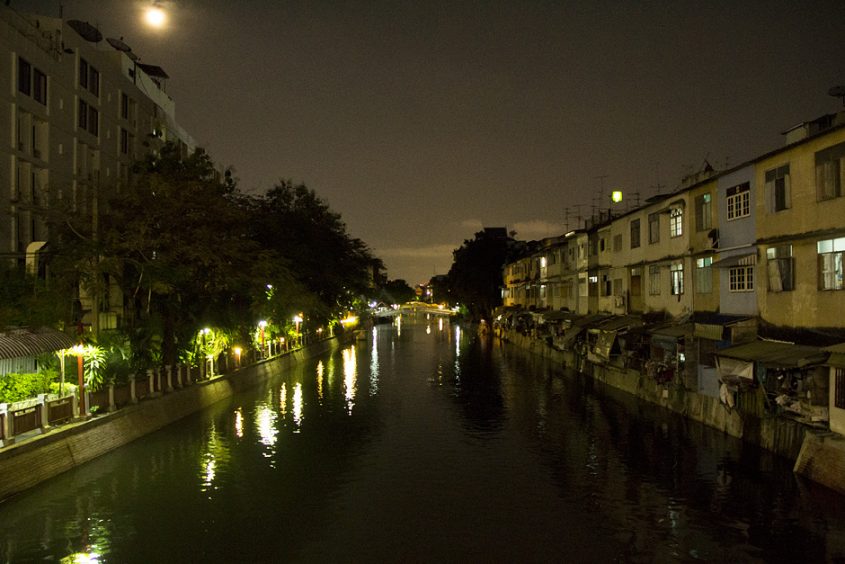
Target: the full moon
pixel 155 16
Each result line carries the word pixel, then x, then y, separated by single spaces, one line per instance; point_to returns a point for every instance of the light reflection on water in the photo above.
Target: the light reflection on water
pixel 444 451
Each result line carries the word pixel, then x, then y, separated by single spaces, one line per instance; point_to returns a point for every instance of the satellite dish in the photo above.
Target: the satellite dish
pixel 119 45
pixel 838 92
pixel 87 31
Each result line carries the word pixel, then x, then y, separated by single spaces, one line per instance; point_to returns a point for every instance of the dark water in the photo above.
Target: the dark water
pixel 424 444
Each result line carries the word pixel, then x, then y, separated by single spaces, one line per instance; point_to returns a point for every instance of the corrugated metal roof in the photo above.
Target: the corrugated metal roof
pixel 773 354
pixel 18 343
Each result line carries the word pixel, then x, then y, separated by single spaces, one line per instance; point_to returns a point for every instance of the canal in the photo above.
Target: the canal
pixel 422 443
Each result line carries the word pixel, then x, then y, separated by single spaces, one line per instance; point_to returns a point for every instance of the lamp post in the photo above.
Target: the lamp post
pixel 262 325
pixel 79 351
pixel 238 352
pixel 298 319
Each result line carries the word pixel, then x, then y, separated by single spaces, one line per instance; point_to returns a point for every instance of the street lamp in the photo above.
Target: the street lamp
pixel 155 16
pixel 79 351
pixel 238 351
pixel 298 319
pixel 262 325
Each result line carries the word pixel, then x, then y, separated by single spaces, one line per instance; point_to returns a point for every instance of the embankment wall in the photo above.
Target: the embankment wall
pixel 29 463
pixel 818 455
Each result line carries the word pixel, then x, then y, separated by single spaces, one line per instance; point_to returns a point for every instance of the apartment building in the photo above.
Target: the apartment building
pixel 81 109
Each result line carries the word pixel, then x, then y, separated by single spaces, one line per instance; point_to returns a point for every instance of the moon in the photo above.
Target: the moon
pixel 155 17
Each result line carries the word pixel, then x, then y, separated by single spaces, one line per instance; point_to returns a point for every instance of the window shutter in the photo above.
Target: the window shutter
pixel 787 191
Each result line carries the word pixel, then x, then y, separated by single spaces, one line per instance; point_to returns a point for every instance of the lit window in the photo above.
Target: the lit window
pixel 676 270
pixel 704 275
pixel 831 252
pixel 676 222
pixel 780 268
pixel 741 279
pixel 739 201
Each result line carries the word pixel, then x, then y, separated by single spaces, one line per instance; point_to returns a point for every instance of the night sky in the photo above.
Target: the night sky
pixel 421 122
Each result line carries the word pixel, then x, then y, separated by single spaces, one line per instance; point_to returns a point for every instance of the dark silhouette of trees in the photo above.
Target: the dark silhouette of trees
pixel 475 277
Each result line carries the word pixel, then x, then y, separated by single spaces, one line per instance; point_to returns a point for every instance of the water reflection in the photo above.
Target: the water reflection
pixel 374 369
pixel 297 406
pixel 407 469
pixel 320 381
pixel 350 376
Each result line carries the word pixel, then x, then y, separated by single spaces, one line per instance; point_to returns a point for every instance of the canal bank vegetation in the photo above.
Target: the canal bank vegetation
pixel 175 265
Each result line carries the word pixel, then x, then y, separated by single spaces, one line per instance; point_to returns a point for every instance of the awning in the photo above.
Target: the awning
pixel 747 259
pixel 837 355
pixel 775 355
pixel 617 323
pixel 558 316
pixel 20 343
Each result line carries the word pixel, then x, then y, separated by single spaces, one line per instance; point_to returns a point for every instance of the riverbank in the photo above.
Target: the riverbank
pixel 819 455
pixel 29 463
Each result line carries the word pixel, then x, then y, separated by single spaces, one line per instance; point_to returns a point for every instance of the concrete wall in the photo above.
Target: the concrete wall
pixel 819 456
pixel 28 464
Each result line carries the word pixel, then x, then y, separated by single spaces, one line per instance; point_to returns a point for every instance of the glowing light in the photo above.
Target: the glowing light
pixel 81 558
pixel 440 324
pixel 262 324
pixel 265 422
pixel 616 196
pixel 297 318
pixel 155 16
pixel 374 365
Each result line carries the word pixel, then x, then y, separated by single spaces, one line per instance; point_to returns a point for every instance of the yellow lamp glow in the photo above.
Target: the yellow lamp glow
pixel 616 196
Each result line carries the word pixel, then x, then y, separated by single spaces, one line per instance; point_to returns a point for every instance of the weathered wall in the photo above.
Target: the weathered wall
pixel 27 464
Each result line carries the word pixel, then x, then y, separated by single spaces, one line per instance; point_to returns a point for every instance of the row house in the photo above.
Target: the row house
pixel 755 250
pixel 79 112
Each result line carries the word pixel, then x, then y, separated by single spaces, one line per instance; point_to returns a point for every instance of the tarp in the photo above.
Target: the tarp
pixel 20 343
pixel 746 259
pixel 733 368
pixel 775 355
pixel 837 355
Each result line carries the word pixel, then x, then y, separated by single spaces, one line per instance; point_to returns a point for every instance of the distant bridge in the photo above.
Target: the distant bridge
pixel 410 308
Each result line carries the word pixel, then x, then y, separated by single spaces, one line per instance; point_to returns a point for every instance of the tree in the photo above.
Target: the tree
pixel 475 277
pixel 397 292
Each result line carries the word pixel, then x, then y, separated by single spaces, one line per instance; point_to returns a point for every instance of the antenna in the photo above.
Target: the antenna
pixel 838 92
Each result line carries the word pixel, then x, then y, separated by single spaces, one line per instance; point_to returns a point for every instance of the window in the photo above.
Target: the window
pixel 654 280
pixel 676 222
pixel 779 267
pixel 703 212
pixel 89 118
pixel 839 388
pixel 39 87
pixel 602 244
pixel 653 228
pixel 829 172
pixel 831 253
pixel 741 279
pixel 739 201
pixel 24 77
pixel 777 188
pixel 636 281
pixel 83 73
pixel 124 105
pixel 82 122
pixel 617 243
pixel 676 270
pixel 89 77
pixel 124 141
pixel 635 233
pixel 704 275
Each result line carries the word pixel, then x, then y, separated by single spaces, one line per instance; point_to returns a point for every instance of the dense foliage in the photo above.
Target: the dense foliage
pixel 189 251
pixel 475 278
